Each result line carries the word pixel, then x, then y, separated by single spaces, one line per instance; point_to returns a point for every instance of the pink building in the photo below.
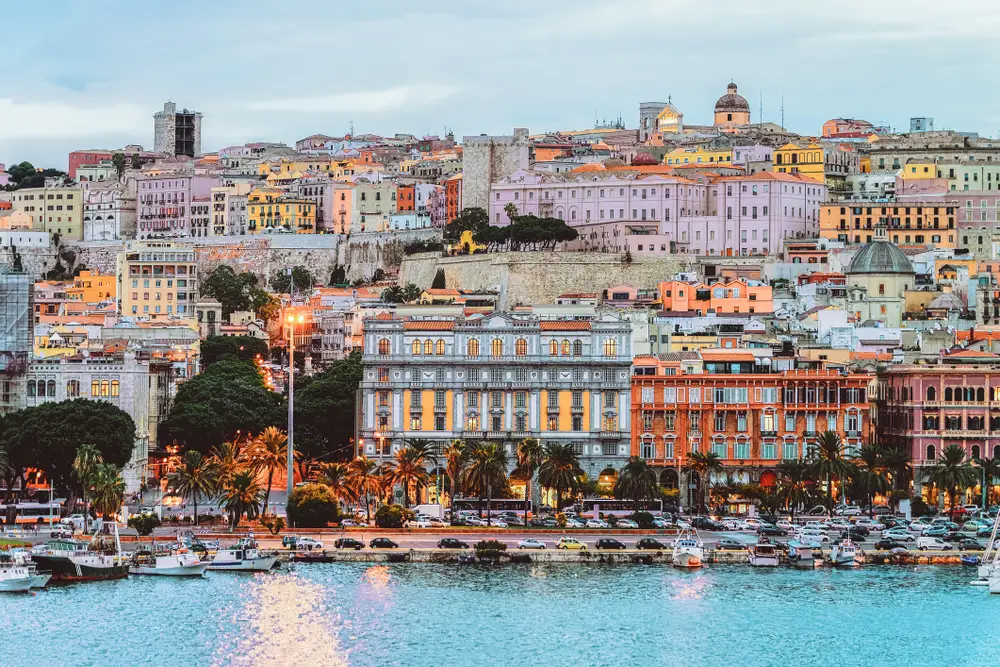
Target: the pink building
pixel 4 176
pixel 164 203
pixel 621 209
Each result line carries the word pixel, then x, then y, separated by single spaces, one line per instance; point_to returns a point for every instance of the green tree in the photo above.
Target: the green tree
pixel 392 294
pixel 108 489
pixel 88 457
pixel 118 160
pixel 869 476
pixel 269 453
pixel 951 472
pixel 487 472
pixel 195 476
pixel 242 348
pixel 300 280
pixel 636 482
pixel 705 464
pixel 227 460
pixel 560 470
pixel 235 291
pixel 411 292
pixel 989 472
pixel 407 469
pixel 364 478
pixel 338 276
pixel 511 210
pixel 144 524
pixel 312 506
pixel 136 162
pixel 336 476
pixel 829 460
pixel 241 497
pixel 472 218
pixel 392 516
pixel 795 486
pixel 897 464
pixel 455 456
pixel 321 403
pixel 529 457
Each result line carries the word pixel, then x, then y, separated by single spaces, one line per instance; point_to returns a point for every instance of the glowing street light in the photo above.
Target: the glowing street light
pixel 290 474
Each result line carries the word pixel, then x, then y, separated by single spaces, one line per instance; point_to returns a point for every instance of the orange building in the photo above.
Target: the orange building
pixel 453 197
pixel 405 197
pixel 909 223
pixel 735 296
pixel 739 406
pixel 90 287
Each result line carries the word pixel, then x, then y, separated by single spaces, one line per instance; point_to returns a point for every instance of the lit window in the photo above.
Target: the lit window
pixel 416 347
pixel 610 347
pixel 521 348
pixel 383 346
pixel 496 347
pixel 439 348
pixel 472 349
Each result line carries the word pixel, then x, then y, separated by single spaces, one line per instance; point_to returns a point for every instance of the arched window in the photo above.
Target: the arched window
pixel 52 388
pixel 105 387
pixel 31 388
pixel 947 394
pixel 472 348
pixel 95 388
pixel 521 347
pixel 553 348
pixel 931 394
pixel 415 348
pixel 577 348
pixel 610 347
pixel 428 347
pixel 114 389
pixel 980 394
pixel 970 394
pixel 73 388
pixel 439 348
pixel 975 453
pixel 384 346
pixel 565 348
pixel 930 453
pixel 496 347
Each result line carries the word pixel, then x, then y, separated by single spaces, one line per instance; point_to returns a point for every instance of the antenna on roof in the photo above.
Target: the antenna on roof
pixel 782 111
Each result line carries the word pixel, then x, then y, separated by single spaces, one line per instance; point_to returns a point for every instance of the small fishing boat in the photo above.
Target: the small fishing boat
pixel 804 555
pixel 306 557
pixel 245 556
pixel 689 550
pixel 14 577
pixel 846 554
pixel 22 558
pixel 762 554
pixel 970 560
pixel 168 563
pixel 72 560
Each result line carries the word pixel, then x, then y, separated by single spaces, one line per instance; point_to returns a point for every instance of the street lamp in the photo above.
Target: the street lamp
pixel 290 474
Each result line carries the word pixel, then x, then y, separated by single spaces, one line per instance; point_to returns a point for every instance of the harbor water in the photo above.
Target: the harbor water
pixel 423 614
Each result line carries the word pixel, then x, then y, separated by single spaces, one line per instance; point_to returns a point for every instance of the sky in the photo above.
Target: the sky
pixel 91 74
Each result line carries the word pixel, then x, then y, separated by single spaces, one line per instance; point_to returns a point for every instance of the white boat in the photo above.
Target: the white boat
pixel 15 578
pixel 173 563
pixel 990 563
pixel 804 555
pixel 245 556
pixel 18 557
pixel 762 554
pixel 846 554
pixel 689 550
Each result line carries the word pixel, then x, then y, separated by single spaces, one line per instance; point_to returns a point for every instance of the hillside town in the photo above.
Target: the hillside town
pixel 695 291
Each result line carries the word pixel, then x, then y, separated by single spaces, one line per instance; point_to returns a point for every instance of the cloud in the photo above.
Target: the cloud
pixel 369 101
pixel 58 119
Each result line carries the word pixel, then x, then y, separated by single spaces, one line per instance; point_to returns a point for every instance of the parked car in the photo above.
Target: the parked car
pixel 596 523
pixel 856 533
pixel 813 536
pixel 888 544
pixel 898 534
pixel 817 510
pixel 514 520
pixel 626 523
pixel 650 543
pixel 970 544
pixel 609 543
pixel 349 543
pixel 574 523
pixel 732 524
pixel 383 543
pixel 452 543
pixel 729 544
pixel 870 524
pixel 892 522
pixel 308 544
pixel 935 543
pixel 934 531
pixel 289 541
pixel 496 522
pixel 706 523
pixel 660 523
pixel 768 529
pixel 61 531
pixel 530 543
pixel 570 543
pixel 847 510
pixel 418 522
pixel 785 523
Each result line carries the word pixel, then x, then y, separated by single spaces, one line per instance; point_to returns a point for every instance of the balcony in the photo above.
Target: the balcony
pixel 613 435
pixel 963 433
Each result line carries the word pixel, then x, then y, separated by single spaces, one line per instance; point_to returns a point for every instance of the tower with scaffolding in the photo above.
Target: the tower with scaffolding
pixel 16 340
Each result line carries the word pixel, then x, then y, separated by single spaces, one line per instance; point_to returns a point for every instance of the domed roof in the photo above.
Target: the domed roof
pixel 732 101
pixel 643 159
pixel 880 256
pixel 614 162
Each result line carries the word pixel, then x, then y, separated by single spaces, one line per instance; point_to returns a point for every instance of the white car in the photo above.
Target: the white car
pixel 917 526
pixel 935 543
pixel 308 544
pixel 530 543
pixel 753 524
pixel 870 524
pixel 596 523
pixel 627 523
pixel 847 510
pixel 899 534
pixel 839 524
pixel 474 521
pixel 785 524
pixel 75 520
pixel 731 524
pixel 418 522
pixel 498 523
pixel 574 523
pixel 815 525
pixel 813 536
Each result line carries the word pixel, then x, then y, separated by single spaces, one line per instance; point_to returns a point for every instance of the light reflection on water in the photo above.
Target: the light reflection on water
pixel 414 614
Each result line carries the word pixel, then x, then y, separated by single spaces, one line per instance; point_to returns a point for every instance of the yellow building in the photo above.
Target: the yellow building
pixel 918 170
pixel 825 163
pixel 271 208
pixel 907 223
pixel 157 278
pixel 57 210
pixel 336 169
pixel 682 155
pixel 90 287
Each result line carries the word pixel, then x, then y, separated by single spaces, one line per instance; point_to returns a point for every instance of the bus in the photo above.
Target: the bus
pixel 28 513
pixel 613 506
pixel 496 506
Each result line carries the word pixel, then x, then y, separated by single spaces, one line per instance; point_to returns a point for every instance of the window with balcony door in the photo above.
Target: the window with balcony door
pixel 472 347
pixel 577 423
pixel 790 450
pixel 439 348
pixel 610 347
pixel 669 420
pixel 720 421
pixel 521 347
pixel 646 449
pixel 720 449
pixel 741 450
pixel 647 421
pixel 769 451
pixel 472 423
pixel 384 346
pixel 496 347
pixel 564 348
pixel 553 348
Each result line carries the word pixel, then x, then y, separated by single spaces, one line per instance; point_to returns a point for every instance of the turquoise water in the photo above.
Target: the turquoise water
pixel 416 614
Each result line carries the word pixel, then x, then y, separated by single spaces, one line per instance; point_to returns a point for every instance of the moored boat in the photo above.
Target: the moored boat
pixel 804 555
pixel 21 558
pixel 71 560
pixel 169 563
pixel 762 554
pixel 14 578
pixel 846 554
pixel 245 556
pixel 689 550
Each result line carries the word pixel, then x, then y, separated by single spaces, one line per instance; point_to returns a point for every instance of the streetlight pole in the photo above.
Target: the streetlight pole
pixel 290 470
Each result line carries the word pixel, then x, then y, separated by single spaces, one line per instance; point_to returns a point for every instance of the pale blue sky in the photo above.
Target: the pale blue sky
pixel 91 74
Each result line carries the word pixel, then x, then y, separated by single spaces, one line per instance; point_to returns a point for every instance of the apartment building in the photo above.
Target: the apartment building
pixel 157 278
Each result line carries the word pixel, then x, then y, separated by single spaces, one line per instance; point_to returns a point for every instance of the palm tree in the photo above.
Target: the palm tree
pixel 560 470
pixel 109 489
pixel 870 473
pixel 487 471
pixel 269 452
pixel 529 457
pixel 428 450
pixel 194 476
pixel 392 294
pixel 363 477
pixel 337 477
pixel 241 497
pixel 411 292
pixel 228 460
pixel 896 463
pixel 455 457
pixel 636 481
pixel 795 488
pixel 704 464
pixel 990 471
pixel 88 457
pixel 828 460
pixel 408 469
pixel 951 472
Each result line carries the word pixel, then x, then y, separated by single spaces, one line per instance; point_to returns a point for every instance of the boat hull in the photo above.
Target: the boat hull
pixel 40 580
pixel 687 559
pixel 262 564
pixel 762 561
pixel 19 585
pixel 994 585
pixel 64 569
pixel 178 571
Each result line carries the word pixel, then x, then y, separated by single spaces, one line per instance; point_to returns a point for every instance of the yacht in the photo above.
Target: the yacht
pixel 245 556
pixel 846 554
pixel 73 560
pixel 762 554
pixel 14 578
pixel 21 558
pixel 804 555
pixel 169 563
pixel 689 550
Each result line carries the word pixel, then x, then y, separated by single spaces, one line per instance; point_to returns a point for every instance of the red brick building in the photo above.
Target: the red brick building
pixel 80 158
pixel 453 197
pixel 405 196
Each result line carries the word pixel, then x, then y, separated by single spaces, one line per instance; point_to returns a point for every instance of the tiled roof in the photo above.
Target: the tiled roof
pixel 726 355
pixel 564 325
pixel 429 325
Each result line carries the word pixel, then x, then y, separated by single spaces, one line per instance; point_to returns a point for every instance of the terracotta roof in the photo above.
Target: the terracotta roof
pixel 384 316
pixel 971 354
pixel 429 325
pixel 564 325
pixel 436 291
pixel 772 176
pixel 726 355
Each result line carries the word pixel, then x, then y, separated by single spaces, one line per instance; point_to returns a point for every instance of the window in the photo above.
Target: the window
pixel 577 398
pixel 790 423
pixel 415 348
pixel 553 348
pixel 741 450
pixel 472 348
pixel 720 421
pixel 105 387
pixel 114 387
pixel 439 348
pixel 769 451
pixel 415 424
pixel 647 449
pixel 472 423
pixel 521 348
pixel 647 395
pixel 496 399
pixel 95 388
pixel 520 400
pixel 72 388
pixel 564 348
pixel 790 450
pixel 428 346
pixel 474 400
pixel 577 348
pixel 610 347
pixel 577 423
pixel 496 347
pixel 720 449
pixel 439 374
pixel 439 422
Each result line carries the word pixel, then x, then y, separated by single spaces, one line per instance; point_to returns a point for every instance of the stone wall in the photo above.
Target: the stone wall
pixel 539 277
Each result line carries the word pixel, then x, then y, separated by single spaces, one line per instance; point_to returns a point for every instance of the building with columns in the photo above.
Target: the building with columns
pixel 499 377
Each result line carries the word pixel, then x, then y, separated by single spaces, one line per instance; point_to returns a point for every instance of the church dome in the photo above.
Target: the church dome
pixel 880 257
pixel 732 102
